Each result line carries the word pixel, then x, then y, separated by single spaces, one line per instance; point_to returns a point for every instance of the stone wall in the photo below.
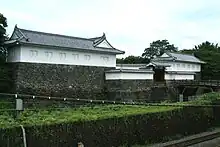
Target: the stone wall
pixel 59 80
pixel 143 90
pixel 84 82
pixel 128 89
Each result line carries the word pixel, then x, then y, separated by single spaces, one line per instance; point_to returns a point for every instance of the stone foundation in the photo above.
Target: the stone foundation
pixel 143 90
pixel 128 89
pixel 84 82
pixel 59 80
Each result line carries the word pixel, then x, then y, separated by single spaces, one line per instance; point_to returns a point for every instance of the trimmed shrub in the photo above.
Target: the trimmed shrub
pixel 116 131
pixel 111 125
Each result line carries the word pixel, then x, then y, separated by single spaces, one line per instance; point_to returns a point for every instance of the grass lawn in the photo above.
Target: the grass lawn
pixel 42 117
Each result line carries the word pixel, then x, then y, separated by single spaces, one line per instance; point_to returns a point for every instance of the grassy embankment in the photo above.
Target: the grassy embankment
pixel 41 117
pixel 130 124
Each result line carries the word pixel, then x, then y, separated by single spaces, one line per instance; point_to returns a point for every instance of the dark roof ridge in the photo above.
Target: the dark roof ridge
pixel 112 48
pixel 95 38
pixel 53 34
pixel 99 40
pixel 44 39
pixel 181 53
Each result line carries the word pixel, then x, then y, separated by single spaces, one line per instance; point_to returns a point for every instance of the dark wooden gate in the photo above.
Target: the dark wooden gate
pixel 159 74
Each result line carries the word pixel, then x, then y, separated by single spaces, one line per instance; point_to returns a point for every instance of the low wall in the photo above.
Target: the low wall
pixel 121 74
pixel 169 76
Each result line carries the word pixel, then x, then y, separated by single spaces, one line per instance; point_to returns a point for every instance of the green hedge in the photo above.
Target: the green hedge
pixel 111 125
pixel 207 99
pixel 116 131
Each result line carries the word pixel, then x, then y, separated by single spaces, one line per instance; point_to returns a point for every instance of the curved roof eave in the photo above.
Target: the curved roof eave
pixel 79 49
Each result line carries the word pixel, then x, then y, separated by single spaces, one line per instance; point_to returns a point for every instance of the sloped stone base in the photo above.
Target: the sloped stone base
pixel 59 80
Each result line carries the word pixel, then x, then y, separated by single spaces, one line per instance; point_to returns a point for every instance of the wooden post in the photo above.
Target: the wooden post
pixel 181 98
pixel 19 106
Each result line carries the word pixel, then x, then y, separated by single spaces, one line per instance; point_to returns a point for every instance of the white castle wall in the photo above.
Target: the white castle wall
pixel 128 76
pixel 60 56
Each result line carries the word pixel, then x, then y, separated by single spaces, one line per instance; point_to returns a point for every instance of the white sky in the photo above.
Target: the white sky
pixel 130 25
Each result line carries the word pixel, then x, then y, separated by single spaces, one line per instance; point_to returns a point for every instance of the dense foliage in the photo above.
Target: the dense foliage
pixel 4 68
pixel 209 53
pixel 207 99
pixel 133 60
pixel 3 37
pixel 157 48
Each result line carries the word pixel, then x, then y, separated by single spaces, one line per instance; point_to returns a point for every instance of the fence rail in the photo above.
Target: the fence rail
pixel 195 82
pixel 33 103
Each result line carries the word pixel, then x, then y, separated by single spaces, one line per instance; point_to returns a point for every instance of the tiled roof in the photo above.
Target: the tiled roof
pixel 158 64
pixel 181 72
pixel 179 57
pixel 129 71
pixel 57 40
pixel 130 65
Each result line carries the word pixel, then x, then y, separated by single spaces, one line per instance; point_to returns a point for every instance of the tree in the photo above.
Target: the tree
pixel 187 51
pixel 157 48
pixel 209 53
pixel 207 46
pixel 132 60
pixel 3 25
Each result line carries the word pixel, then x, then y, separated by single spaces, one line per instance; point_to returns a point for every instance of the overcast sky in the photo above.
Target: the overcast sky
pixel 130 25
